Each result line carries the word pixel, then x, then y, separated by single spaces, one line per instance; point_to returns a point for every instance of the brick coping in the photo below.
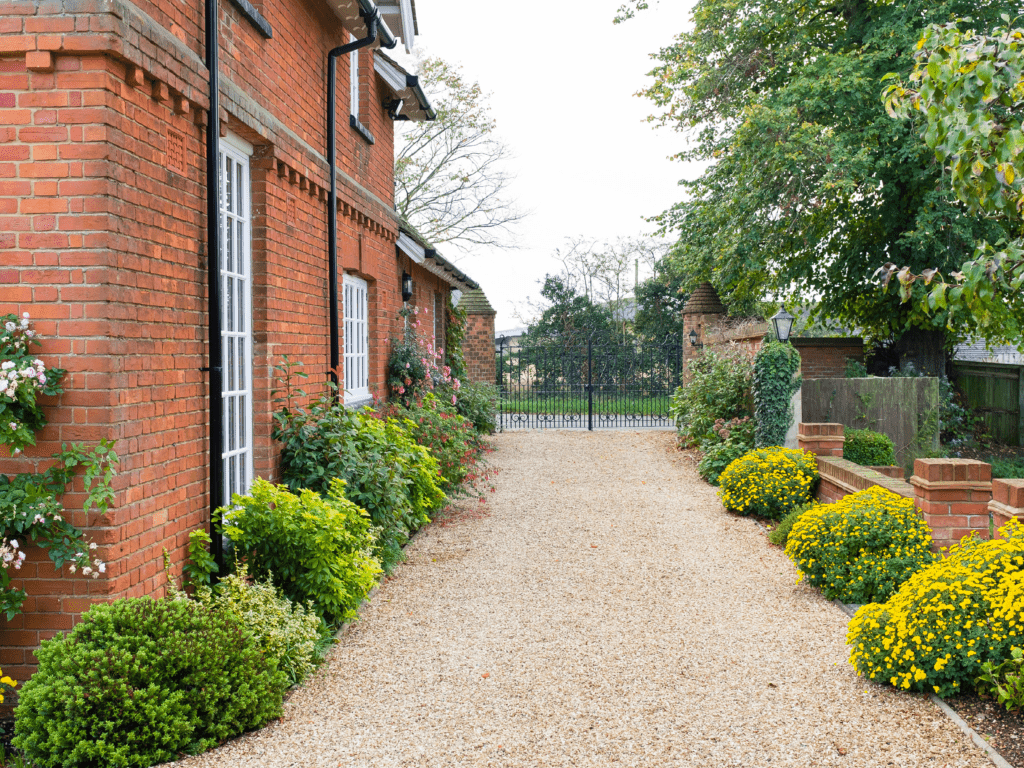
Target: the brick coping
pixel 852 477
pixel 950 485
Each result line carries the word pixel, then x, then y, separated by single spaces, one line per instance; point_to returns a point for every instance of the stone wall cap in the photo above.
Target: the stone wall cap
pixel 950 485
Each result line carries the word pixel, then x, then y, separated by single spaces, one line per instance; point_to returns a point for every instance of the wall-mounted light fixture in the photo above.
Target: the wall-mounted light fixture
pixel 783 323
pixel 406 286
pixel 693 340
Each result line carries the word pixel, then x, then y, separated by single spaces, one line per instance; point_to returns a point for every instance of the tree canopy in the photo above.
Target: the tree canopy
pixel 811 185
pixel 967 94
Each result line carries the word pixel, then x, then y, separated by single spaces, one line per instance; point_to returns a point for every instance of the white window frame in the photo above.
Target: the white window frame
pixel 353 86
pixel 356 363
pixel 235 285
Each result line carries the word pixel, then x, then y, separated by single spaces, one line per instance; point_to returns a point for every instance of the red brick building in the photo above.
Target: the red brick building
pixel 104 115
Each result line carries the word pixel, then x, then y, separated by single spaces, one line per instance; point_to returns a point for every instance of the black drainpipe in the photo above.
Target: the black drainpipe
pixel 213 280
pixel 371 19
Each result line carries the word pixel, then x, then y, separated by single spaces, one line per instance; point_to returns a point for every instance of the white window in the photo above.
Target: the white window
pixel 353 70
pixel 357 357
pixel 236 315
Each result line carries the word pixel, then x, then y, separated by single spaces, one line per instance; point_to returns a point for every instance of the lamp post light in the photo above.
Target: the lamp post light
pixel 406 286
pixel 782 321
pixel 693 340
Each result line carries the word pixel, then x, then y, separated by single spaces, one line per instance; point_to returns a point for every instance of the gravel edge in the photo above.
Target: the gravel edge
pixel 998 760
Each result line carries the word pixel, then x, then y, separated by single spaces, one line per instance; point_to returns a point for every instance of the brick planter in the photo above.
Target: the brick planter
pixel 953 495
pixel 1007 502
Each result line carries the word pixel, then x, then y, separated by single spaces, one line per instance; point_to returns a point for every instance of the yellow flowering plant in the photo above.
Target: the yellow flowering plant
pixel 769 481
pixel 6 684
pixel 946 620
pixel 861 548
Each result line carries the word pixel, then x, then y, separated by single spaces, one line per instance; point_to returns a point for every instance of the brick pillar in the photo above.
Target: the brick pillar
pixel 821 439
pixel 703 310
pixel 478 345
pixel 953 495
pixel 1007 502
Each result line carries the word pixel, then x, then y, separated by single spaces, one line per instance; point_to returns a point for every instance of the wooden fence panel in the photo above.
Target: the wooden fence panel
pixel 997 393
pixel 905 409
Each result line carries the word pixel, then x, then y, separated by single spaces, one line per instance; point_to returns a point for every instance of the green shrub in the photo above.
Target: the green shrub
pixel 450 438
pixel 869 448
pixel 855 369
pixel 730 440
pixel 863 547
pixel 317 548
pixel 946 620
pixel 1005 681
pixel 719 388
pixel 775 380
pixel 291 634
pixel 385 471
pixel 478 402
pixel 779 535
pixel 769 482
pixel 139 681
pixel 1008 468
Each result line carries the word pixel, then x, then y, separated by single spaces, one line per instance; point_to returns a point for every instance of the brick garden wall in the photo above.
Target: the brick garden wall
pixel 102 232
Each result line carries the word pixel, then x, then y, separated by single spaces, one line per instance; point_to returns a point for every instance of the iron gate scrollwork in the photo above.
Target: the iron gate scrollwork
pixel 579 384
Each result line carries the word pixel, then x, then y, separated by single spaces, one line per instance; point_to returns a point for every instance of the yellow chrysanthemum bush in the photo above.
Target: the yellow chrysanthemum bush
pixel 946 620
pixel 863 547
pixel 769 481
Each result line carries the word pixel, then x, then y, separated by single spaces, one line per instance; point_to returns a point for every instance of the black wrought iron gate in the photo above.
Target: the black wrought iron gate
pixel 583 385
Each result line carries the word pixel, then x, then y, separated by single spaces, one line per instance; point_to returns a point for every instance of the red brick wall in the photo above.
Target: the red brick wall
pixel 102 241
pixel 827 358
pixel 478 347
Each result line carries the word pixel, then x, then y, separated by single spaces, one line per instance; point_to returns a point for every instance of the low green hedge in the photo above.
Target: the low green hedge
pixel 869 448
pixel 140 681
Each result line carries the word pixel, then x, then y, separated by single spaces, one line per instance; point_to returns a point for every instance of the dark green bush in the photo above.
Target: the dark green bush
pixel 869 448
pixel 318 549
pixel 1008 468
pixel 140 681
pixel 775 381
pixel 780 533
pixel 385 471
pixel 478 402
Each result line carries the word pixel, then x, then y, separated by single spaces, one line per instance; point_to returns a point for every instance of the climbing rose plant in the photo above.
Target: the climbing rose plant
pixel 30 505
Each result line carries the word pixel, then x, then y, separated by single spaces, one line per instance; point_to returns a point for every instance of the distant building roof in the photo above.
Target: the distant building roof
pixel 511 333
pixel 974 351
pixel 475 302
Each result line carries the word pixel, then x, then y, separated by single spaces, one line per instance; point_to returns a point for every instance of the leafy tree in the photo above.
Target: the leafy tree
pixel 450 177
pixel 570 318
pixel 660 300
pixel 810 183
pixel 969 94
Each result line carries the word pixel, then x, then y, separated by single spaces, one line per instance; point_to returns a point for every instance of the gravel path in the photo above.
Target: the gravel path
pixel 606 612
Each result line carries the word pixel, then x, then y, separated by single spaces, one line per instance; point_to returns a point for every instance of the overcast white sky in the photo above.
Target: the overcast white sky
pixel 562 79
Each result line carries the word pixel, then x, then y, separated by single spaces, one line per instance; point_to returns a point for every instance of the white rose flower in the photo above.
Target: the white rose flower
pixel 25 316
pixel 10 326
pixel 14 543
pixel 102 567
pixel 72 568
pixel 92 545
pixel 86 571
pixel 7 365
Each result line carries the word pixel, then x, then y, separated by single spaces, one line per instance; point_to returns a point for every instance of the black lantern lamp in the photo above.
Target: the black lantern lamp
pixel 783 323
pixel 693 340
pixel 406 286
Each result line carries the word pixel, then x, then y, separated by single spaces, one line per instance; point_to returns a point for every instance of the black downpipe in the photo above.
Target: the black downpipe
pixel 213 280
pixel 332 204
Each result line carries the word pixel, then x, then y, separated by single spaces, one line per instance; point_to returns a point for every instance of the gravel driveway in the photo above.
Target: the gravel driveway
pixel 606 612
